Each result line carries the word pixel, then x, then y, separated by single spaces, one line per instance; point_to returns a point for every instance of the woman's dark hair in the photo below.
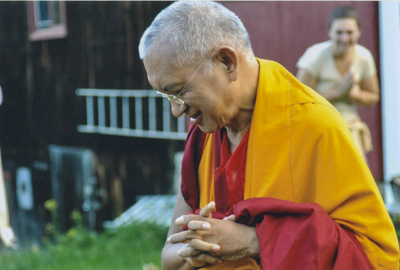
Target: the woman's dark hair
pixel 344 12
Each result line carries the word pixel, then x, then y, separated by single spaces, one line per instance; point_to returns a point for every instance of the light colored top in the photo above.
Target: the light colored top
pixel 301 150
pixel 319 61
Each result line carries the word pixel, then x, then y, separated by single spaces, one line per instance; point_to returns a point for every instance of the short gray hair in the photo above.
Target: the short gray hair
pixel 193 29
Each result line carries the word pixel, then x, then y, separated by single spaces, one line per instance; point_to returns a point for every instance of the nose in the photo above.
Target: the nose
pixel 344 37
pixel 177 109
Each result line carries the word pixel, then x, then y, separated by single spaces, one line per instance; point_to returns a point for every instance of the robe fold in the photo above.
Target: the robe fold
pixel 300 151
pixel 315 240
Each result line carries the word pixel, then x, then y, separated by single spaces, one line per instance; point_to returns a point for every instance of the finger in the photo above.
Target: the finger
pixel 208 259
pixel 185 219
pixel 204 246
pixel 230 218
pixel 189 252
pixel 180 221
pixel 183 237
pixel 349 74
pixel 352 78
pixel 195 262
pixel 178 238
pixel 206 211
pixel 199 225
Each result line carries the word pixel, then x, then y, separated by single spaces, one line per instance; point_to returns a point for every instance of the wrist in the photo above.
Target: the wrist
pixel 253 246
pixel 354 92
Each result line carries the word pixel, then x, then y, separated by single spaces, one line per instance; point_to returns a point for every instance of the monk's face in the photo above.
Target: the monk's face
pixel 206 97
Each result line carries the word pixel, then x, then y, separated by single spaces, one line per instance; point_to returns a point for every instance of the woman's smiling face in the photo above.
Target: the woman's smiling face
pixel 344 34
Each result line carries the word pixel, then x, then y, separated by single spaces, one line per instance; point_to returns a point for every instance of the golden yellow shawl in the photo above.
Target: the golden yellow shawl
pixel 301 150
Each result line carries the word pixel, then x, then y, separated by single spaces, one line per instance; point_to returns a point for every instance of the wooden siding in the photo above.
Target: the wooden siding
pixel 40 107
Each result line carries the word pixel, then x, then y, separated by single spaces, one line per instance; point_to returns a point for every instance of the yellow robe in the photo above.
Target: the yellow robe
pixel 301 150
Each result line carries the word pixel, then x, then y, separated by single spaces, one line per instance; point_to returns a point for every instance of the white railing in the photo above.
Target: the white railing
pixel 120 122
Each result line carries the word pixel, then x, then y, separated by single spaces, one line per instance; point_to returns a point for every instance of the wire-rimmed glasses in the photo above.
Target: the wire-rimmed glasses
pixel 176 98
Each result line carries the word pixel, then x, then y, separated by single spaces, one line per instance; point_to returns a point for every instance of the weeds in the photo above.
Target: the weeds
pixel 137 246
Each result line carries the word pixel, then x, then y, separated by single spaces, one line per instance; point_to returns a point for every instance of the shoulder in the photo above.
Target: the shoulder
pixel 271 71
pixel 314 55
pixel 363 52
pixel 318 111
pixel 319 49
pixel 318 118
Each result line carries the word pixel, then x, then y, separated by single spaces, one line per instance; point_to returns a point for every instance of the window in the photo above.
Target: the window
pixel 46 20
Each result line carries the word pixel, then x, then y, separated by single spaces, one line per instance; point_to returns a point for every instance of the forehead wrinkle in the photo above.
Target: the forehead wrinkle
pixel 161 74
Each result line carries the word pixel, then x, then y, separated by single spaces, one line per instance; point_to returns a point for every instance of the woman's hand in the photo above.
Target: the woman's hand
pixel 367 93
pixel 338 90
pixel 346 84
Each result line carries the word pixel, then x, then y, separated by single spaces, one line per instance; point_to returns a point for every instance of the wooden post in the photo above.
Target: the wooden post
pixel 6 232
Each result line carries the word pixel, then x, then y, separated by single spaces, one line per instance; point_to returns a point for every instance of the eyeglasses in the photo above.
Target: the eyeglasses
pixel 176 98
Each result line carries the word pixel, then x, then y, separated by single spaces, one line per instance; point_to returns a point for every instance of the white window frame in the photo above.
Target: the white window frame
pixel 56 31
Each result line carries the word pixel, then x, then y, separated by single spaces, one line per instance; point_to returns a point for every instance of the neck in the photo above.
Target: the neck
pixel 343 54
pixel 245 104
pixel 235 137
pixel 239 132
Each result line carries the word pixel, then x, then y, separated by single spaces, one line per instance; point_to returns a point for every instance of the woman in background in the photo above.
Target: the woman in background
pixel 343 72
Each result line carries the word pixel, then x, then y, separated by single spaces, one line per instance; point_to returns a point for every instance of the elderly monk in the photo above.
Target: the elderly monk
pixel 271 178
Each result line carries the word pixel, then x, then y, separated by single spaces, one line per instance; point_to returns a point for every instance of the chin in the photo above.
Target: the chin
pixel 207 129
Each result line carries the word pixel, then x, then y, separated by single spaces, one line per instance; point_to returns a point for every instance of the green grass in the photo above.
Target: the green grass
pixel 132 247
pixel 129 247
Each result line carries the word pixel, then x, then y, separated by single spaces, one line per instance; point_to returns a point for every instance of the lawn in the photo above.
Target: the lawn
pixel 133 247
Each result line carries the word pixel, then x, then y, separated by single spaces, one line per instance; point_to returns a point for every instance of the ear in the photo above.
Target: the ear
pixel 229 58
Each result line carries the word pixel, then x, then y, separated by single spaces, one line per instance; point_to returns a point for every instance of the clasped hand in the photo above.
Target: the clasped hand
pixel 212 240
pixel 347 82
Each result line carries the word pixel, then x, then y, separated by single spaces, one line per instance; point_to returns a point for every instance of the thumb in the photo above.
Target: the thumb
pixel 206 211
pixel 230 218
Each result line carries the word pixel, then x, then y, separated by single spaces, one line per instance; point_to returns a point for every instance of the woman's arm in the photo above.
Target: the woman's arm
pixel 367 93
pixel 307 78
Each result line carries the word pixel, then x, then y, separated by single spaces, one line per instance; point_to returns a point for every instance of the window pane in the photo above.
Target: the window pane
pixel 43 19
pixel 57 12
pixel 43 10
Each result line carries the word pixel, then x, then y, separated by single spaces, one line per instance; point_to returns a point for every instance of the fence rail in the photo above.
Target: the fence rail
pixel 115 117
